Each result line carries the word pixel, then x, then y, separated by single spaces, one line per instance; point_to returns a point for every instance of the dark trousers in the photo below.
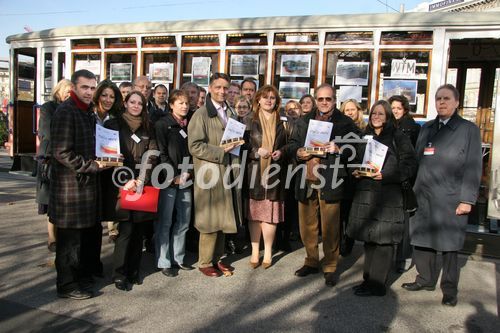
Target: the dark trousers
pixel 95 254
pixel 428 272
pixel 128 250
pixel 378 262
pixel 404 249
pixel 75 257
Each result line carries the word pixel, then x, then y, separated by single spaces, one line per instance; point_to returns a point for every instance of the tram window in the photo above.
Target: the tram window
pixel 160 68
pixel 47 73
pixel 158 41
pixel 295 73
pixel 246 39
pixel 61 66
pixel 91 43
pixel 200 40
pixel 471 93
pixel 349 37
pixel 244 64
pixel 121 67
pixel 349 71
pixel 451 76
pixel 296 38
pixel 88 61
pixel 405 72
pixel 197 67
pixel 26 78
pixel 406 37
pixel 120 42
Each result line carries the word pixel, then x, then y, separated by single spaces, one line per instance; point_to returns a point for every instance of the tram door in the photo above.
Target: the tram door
pixel 24 99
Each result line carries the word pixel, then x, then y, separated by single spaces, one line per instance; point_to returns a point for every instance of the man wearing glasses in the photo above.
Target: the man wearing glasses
pixel 324 187
pixel 142 84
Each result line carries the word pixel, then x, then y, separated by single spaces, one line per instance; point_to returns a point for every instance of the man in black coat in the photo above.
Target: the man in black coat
pixel 326 197
pixel 73 190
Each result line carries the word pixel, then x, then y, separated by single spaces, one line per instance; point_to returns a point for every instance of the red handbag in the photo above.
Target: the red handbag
pixel 147 201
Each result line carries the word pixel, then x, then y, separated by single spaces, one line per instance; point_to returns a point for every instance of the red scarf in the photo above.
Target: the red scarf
pixel 182 122
pixel 79 104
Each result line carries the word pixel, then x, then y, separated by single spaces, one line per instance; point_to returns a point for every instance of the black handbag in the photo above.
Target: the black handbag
pixel 410 204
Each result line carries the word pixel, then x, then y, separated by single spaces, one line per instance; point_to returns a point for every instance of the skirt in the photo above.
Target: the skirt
pixel 266 211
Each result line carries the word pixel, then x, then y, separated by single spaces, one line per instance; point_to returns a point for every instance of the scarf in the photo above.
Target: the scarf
pixel 325 116
pixel 182 122
pixel 268 135
pixel 79 104
pixel 134 122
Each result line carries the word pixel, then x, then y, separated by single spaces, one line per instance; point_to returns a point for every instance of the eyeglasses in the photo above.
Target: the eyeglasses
pixel 242 107
pixel 142 86
pixel 325 99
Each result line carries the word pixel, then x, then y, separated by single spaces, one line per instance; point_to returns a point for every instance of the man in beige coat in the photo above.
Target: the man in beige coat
pixel 217 204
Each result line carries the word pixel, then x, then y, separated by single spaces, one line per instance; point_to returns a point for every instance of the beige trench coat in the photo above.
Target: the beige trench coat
pixel 217 207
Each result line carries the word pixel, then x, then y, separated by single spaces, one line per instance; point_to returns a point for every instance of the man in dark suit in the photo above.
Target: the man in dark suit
pixel 73 193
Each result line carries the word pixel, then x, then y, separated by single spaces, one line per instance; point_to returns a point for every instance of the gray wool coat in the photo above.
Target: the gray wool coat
pixel 446 178
pixel 217 207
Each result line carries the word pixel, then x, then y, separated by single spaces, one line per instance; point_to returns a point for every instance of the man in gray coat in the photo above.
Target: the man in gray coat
pixel 447 185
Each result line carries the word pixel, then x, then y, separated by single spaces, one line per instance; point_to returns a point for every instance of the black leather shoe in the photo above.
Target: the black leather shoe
pixel 415 286
pixel 121 284
pixel 185 267
pixel 360 286
pixel 363 292
pixel 449 300
pixel 306 270
pixel 77 294
pixel 135 280
pixel 330 279
pixel 170 272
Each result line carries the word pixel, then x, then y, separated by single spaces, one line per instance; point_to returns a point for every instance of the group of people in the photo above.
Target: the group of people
pixel 325 194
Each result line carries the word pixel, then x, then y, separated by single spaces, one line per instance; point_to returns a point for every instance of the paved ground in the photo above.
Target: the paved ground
pixel 272 300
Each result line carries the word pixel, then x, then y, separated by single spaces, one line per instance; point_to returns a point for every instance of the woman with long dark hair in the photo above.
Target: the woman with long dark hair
pixel 136 138
pixel 377 215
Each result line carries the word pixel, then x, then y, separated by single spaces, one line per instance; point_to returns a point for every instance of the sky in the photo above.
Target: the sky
pixel 16 15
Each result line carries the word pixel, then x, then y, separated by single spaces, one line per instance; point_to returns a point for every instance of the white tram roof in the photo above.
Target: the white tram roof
pixel 292 23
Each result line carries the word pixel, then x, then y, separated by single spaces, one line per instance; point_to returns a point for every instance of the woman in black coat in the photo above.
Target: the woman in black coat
pixel 59 95
pixel 405 123
pixel 377 213
pixel 136 138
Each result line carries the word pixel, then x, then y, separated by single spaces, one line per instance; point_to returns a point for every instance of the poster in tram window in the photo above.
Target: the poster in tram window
pixel 352 73
pixel 295 65
pixel 292 90
pixel 161 72
pixel 93 66
pixel 120 72
pixel 407 88
pixel 201 70
pixel 244 64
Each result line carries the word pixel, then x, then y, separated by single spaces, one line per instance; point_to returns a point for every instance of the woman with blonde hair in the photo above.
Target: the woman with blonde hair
pixel 59 94
pixel 267 145
pixel 352 109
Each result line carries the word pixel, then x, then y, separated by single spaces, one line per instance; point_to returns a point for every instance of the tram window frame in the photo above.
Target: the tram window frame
pixel 349 37
pixel 276 69
pixel 424 37
pixel 187 63
pixel 278 35
pixel 172 56
pixel 145 44
pixel 329 71
pixel 235 39
pixel 133 61
pixel 262 70
pixel 48 69
pixel 87 55
pixel 187 42
pixel 85 43
pixel 423 78
pixel 128 42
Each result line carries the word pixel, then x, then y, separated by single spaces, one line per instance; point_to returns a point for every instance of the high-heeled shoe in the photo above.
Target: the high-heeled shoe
pixel 266 265
pixel 254 265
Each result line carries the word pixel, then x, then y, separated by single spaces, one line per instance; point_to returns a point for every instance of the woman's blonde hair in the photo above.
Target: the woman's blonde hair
pixel 360 122
pixel 61 85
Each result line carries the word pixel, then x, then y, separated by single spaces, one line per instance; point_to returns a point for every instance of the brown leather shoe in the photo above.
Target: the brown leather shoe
pixel 210 271
pixel 224 268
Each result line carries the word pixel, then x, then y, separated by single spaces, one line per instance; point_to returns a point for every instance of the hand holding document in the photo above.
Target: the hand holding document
pixel 373 160
pixel 107 147
pixel 318 137
pixel 232 138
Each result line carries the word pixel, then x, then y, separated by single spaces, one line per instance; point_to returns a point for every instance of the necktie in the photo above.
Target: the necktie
pixel 222 115
pixel 441 124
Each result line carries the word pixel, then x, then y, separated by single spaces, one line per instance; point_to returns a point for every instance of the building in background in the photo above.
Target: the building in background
pixel 458 6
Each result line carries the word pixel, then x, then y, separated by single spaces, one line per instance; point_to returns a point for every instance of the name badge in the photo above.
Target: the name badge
pixel 429 151
pixel 283 118
pixel 135 138
pixel 368 137
pixel 184 134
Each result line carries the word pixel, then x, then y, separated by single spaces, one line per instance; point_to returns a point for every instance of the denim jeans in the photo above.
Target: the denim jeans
pixel 170 233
